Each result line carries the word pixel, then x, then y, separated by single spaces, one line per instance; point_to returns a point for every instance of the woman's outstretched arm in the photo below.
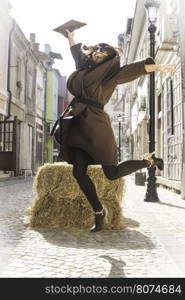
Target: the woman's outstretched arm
pixel 137 69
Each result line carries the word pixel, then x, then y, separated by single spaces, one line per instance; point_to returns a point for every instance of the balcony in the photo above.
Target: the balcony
pixel 168 40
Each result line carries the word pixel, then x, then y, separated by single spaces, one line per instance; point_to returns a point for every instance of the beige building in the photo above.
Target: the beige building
pixel 40 104
pixel 22 122
pixel 24 85
pixel 23 67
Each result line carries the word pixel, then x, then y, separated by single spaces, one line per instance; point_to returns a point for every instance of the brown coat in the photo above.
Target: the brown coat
pixel 91 128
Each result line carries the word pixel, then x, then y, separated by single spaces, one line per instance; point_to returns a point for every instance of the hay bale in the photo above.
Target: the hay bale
pixel 60 203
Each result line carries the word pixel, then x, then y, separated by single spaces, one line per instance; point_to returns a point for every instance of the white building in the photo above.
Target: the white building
pixel 40 114
pixel 5 26
pixel 119 109
pixel 169 101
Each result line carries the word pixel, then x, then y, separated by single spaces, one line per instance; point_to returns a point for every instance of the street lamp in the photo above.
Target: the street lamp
pixel 119 137
pixel 152 8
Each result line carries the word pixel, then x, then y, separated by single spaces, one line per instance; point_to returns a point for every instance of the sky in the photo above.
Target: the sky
pixel 105 21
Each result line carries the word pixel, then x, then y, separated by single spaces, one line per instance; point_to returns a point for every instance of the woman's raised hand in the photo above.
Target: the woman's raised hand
pixel 160 68
pixel 70 34
pixel 167 68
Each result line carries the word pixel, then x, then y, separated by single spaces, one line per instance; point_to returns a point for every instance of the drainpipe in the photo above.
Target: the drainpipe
pixel 26 70
pixel 8 73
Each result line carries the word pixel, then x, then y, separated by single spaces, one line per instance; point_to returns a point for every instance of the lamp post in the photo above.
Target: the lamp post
pixel 152 8
pixel 119 137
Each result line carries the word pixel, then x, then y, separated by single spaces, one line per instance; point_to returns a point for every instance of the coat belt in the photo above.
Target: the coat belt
pixel 90 102
pixel 75 99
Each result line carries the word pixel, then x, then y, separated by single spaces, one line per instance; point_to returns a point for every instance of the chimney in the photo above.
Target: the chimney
pixel 32 37
pixel 36 46
pixel 47 48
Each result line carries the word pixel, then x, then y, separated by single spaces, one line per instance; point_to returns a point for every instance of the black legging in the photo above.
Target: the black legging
pixel 112 172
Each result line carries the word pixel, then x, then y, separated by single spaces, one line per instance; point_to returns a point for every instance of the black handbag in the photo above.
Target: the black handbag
pixel 61 127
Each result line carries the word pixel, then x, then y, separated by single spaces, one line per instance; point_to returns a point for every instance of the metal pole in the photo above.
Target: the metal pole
pixel 119 140
pixel 151 193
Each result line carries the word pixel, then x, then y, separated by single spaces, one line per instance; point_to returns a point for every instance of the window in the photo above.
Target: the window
pixel 6 136
pixel 30 85
pixel 18 65
pixel 17 82
pixel 40 101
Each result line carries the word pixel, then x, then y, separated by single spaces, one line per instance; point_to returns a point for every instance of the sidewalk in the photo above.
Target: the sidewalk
pixel 151 245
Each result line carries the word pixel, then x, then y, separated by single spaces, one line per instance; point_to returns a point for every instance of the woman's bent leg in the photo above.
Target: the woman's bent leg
pixel 124 168
pixel 80 166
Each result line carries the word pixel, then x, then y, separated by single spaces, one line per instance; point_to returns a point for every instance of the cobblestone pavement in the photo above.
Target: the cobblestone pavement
pixel 151 245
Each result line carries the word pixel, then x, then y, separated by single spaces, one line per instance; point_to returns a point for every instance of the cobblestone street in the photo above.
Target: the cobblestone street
pixel 151 245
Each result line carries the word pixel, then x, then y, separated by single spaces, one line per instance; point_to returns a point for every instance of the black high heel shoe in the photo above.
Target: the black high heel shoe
pixel 154 161
pixel 99 220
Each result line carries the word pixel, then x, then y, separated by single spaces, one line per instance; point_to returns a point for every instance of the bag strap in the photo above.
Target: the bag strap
pixel 54 127
pixel 61 116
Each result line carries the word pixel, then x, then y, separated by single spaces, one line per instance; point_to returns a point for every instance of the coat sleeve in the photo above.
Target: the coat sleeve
pixel 79 57
pixel 132 71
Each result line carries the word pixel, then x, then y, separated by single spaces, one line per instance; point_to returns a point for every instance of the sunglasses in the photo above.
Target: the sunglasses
pixel 96 48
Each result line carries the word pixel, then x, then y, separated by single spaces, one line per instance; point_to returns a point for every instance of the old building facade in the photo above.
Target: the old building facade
pixel 53 77
pixel 40 114
pixel 28 86
pixel 169 100
pixel 118 108
pixel 5 27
